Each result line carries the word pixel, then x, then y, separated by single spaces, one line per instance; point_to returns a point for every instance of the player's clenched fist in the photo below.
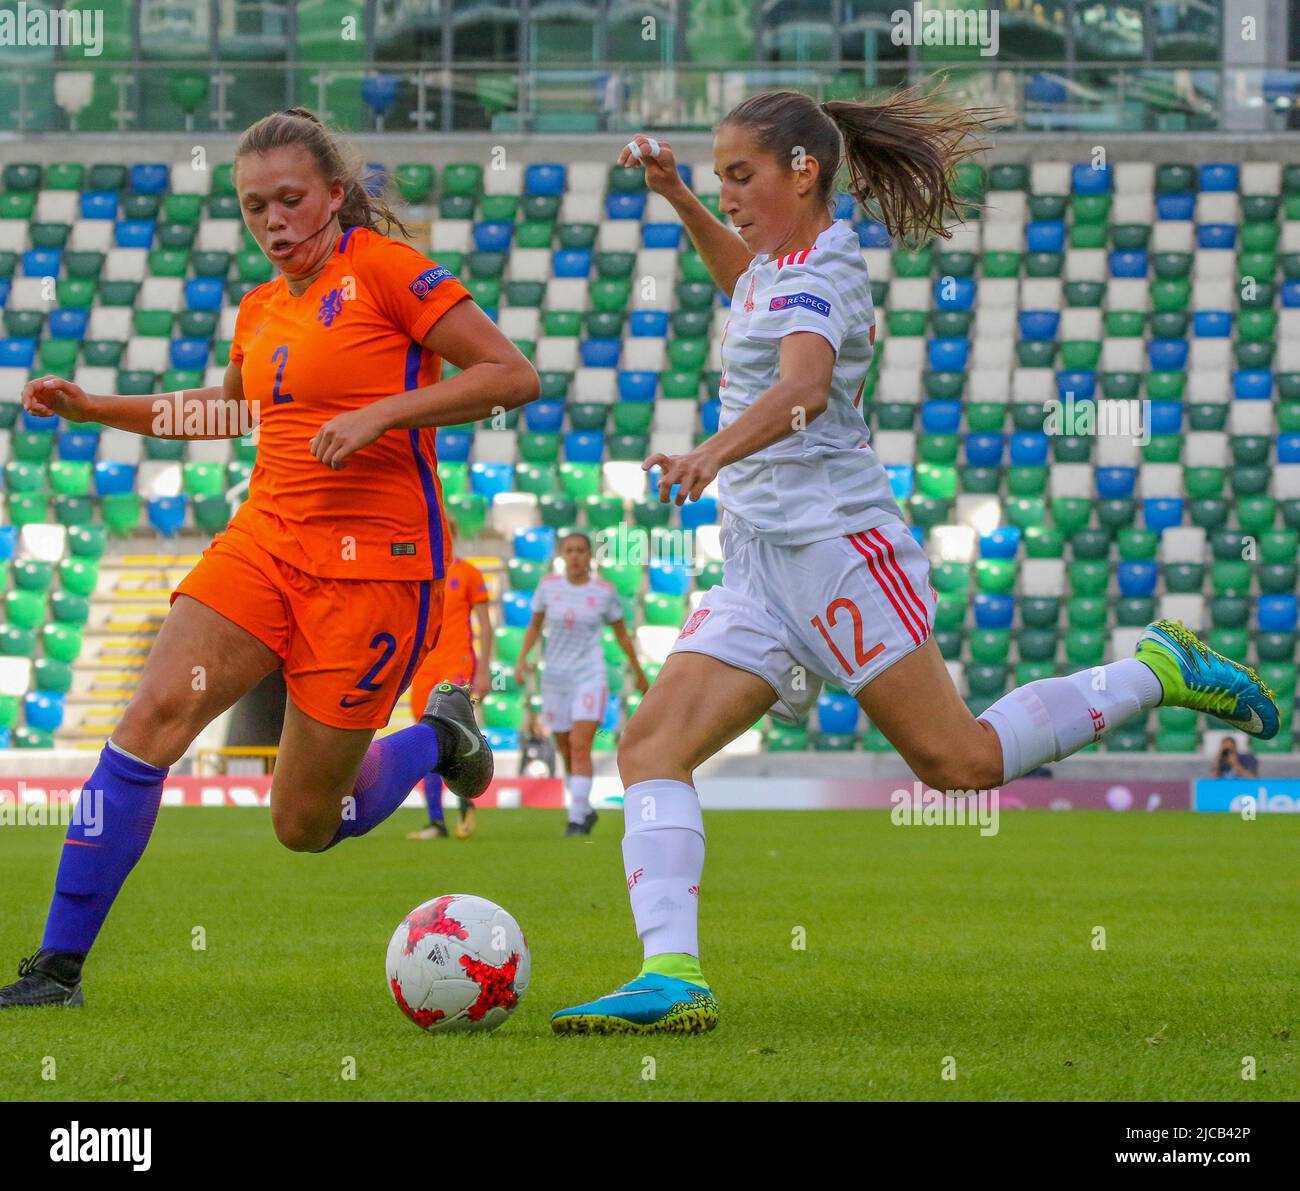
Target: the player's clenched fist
pixel 656 158
pixel 48 396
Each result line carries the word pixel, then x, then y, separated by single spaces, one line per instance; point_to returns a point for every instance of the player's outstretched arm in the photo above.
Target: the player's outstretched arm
pixel 191 413
pixel 723 252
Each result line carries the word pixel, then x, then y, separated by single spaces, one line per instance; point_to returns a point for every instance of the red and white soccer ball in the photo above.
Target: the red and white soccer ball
pixel 458 962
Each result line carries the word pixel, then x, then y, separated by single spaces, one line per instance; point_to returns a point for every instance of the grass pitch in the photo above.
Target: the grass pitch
pixel 925 950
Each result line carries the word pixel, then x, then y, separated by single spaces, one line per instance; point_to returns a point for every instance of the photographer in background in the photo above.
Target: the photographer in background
pixel 1232 763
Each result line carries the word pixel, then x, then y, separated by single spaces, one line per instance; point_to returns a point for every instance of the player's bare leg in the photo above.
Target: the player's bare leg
pixel 577 767
pixel 696 706
pixel 200 665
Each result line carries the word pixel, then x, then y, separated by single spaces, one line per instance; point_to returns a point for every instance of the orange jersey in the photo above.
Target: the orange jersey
pixel 465 591
pixel 452 657
pixel 354 337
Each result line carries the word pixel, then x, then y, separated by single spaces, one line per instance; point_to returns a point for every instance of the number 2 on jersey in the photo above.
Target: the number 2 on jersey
pixel 281 358
pixel 862 657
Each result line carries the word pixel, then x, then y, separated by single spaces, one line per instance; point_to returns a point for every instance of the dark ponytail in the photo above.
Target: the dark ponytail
pixel 335 160
pixel 899 154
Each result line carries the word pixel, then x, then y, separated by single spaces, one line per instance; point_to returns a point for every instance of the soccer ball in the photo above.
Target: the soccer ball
pixel 458 962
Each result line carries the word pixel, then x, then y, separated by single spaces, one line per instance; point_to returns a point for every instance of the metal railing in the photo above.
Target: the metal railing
pixel 478 97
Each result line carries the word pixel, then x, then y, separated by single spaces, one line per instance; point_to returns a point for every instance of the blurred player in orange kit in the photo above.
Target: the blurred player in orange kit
pixel 466 606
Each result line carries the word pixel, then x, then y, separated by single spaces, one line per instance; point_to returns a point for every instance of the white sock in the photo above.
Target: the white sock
pixel 663 859
pixel 579 797
pixel 117 748
pixel 1053 717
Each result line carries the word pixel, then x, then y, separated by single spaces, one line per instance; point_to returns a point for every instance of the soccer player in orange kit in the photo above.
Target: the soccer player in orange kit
pixel 455 660
pixel 334 568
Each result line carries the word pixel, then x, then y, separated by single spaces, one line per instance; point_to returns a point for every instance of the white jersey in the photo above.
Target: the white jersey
pixel 824 481
pixel 575 615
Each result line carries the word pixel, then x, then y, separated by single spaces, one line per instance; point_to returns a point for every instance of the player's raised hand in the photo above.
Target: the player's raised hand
pixel 693 473
pixel 49 396
pixel 656 158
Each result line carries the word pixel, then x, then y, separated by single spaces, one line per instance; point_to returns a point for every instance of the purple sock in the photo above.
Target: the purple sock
pixel 115 816
pixel 389 771
pixel 433 797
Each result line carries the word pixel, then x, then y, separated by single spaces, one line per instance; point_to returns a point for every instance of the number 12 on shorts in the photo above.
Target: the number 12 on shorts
pixel 833 609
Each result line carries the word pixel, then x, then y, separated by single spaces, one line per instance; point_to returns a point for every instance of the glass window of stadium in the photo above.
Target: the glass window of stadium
pixel 485 32
pixel 1187 30
pixel 1108 30
pixel 1033 30
pixel 412 31
pixel 866 38
pixel 253 31
pixel 796 31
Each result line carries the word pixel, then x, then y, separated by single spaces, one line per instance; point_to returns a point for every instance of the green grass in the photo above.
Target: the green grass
pixel 921 943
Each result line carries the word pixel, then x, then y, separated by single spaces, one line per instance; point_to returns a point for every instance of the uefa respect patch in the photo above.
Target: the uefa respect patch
pixel 808 301
pixel 428 281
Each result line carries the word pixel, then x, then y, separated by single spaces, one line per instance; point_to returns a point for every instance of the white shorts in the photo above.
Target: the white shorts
pixel 563 703
pixel 840 610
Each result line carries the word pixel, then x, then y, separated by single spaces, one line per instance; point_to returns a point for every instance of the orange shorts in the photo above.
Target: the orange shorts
pixel 350 646
pixel 439 666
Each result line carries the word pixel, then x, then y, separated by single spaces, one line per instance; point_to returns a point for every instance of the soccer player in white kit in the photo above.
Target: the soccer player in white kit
pixel 821 577
pixel 573 608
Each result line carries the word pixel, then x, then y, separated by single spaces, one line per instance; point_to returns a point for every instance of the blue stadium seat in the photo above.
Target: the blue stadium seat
pixel 837 713
pixel 1178 207
pixel 167 513
pixel 637 386
pixel 133 233
pixel 1045 235
pixel 502 738
pixel 379 92
pixel 49 425
pixel 493 237
pixel 993 611
pixel 517 607
pixel 453 446
pixel 68 324
pixel 1220 176
pixel 544 417
pixel 1029 449
pixel 845 205
pixel 1216 235
pixel 1288 448
pixel 150 177
pixel 1080 384
pixel 584 446
pixel 1291 294
pixel 1160 513
pixel 902 479
pixel 625 206
pixel 984 449
pixel 491 479
pixel 43 710
pixel 1003 542
pixel 78 446
pixel 571 262
pixel 190 353
pixel 940 416
pixel 1212 324
pixel 600 353
pixel 956 293
pixel 8 541
pixel 1085 179
pixel 545 178
pixel 535 544
pixel 1277 614
pixel 710 413
pixel 42 262
pixel 99 204
pixel 1166 417
pixel 695 513
pixel 1137 578
pixel 949 354
pixel 649 324
pixel 17 353
pixel 1252 384
pixel 204 293
pixel 1115 483
pixel 661 235
pixel 114 479
pixel 669 578
pixel 872 234
pixel 1039 324
pixel 1167 355
pixel 1133 263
